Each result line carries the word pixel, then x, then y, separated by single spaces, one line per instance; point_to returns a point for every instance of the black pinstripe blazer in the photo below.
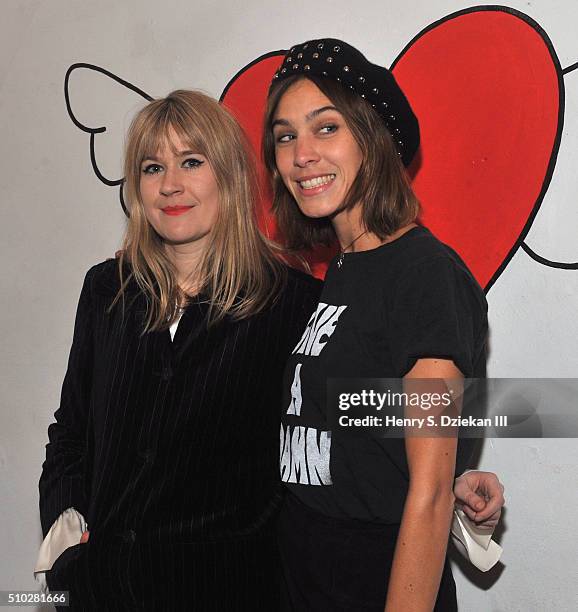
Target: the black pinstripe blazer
pixel 170 451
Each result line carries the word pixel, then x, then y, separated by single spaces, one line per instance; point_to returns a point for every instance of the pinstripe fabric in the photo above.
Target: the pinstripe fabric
pixel 170 451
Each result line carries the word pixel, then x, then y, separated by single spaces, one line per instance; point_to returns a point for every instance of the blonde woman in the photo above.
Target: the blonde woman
pixel 166 439
pixel 163 460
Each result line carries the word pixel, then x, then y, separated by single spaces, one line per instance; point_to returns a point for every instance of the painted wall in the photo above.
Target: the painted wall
pixel 58 219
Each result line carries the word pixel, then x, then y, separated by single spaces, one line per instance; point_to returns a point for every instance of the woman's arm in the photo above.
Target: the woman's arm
pixel 62 483
pixel 423 536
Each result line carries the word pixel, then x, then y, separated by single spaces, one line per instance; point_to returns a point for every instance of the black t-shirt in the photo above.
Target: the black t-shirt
pixel 378 314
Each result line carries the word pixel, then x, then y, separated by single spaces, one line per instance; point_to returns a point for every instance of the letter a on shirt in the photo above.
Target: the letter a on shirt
pixel 296 400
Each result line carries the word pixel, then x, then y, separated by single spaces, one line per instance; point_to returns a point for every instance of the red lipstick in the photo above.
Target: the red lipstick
pixel 176 210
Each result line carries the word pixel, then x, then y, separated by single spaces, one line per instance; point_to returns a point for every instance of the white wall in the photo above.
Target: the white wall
pixel 58 219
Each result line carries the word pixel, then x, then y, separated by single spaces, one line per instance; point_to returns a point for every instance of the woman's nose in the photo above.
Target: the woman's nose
pixel 171 183
pixel 305 152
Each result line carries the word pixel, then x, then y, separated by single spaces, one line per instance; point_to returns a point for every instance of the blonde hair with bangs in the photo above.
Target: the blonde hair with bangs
pixel 239 271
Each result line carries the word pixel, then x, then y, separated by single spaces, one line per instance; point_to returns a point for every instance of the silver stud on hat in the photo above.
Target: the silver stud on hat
pixel 307 58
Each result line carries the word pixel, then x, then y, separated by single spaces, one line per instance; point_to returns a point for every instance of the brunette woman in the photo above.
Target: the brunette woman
pixel 366 521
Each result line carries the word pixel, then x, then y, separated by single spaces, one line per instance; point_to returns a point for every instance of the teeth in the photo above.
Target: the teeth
pixel 317 181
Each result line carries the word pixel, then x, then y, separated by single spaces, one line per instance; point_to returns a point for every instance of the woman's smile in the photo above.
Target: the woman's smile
pixel 316 184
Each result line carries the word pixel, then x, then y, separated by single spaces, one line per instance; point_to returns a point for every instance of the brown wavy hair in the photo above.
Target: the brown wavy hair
pixel 239 272
pixel 381 185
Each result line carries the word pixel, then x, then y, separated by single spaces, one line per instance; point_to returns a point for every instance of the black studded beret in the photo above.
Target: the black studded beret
pixel 335 59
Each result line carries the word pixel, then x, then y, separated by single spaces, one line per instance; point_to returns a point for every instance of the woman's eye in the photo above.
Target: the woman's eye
pixel 284 137
pixel 193 162
pixel 151 169
pixel 328 129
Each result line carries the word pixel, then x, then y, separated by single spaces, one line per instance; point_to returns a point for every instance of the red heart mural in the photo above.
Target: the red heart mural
pixel 487 88
pixel 245 96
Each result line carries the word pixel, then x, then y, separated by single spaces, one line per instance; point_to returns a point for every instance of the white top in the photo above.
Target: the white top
pixel 173 327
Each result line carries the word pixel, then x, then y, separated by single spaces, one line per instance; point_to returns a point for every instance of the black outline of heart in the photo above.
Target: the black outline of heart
pixel 280 53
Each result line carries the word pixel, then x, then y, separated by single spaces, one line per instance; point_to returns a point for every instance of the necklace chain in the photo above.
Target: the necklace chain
pixel 342 253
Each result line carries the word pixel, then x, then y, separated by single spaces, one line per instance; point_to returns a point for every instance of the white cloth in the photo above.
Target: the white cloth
pixel 474 543
pixel 65 532
pixel 173 327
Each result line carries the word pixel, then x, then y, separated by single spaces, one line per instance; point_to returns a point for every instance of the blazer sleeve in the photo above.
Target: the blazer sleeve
pixel 64 533
pixel 63 481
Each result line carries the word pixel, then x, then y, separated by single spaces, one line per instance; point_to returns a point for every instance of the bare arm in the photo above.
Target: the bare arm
pixel 423 536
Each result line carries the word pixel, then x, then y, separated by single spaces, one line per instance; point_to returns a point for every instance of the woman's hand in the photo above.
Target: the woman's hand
pixel 84 537
pixel 481 496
